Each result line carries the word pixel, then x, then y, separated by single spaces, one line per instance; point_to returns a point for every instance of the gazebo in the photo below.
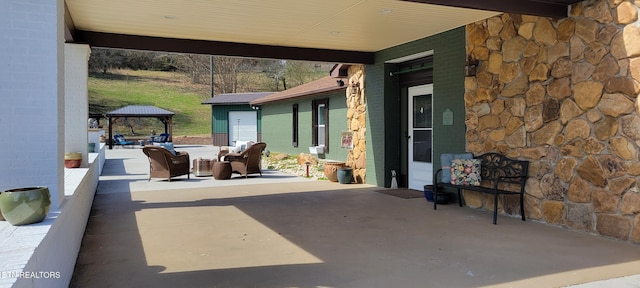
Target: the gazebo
pixel 141 111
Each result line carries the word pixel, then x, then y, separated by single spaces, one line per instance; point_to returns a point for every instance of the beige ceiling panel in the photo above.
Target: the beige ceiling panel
pixel 361 25
pixel 378 24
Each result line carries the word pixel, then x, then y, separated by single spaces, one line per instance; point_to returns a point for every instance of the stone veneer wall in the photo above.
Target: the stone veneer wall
pixel 356 123
pixel 562 93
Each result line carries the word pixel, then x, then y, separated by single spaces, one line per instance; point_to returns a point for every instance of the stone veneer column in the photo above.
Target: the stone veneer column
pixel 356 122
pixel 563 94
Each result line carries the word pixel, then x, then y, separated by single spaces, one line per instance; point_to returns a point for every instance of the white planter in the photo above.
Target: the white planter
pixel 316 149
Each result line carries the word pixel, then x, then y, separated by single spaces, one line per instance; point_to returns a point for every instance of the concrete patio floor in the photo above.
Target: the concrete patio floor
pixel 284 231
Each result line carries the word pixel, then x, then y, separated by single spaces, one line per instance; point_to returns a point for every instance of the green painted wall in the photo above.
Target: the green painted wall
pixel 277 127
pixel 383 103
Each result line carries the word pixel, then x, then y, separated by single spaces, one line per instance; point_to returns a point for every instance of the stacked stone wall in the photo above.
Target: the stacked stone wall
pixel 563 94
pixel 356 122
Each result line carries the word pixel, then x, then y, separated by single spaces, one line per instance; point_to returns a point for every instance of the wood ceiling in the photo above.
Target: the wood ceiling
pixel 348 31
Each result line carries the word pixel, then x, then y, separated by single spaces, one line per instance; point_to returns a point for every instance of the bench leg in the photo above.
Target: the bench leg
pixel 460 197
pixel 522 206
pixel 495 208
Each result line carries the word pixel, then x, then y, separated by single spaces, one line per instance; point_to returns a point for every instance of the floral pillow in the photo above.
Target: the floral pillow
pixel 465 172
pixel 445 160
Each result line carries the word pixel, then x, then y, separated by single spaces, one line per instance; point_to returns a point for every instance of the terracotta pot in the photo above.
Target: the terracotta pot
pixel 72 159
pixel 22 206
pixel 331 170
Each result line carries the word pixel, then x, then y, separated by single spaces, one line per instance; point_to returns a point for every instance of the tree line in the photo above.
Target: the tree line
pixel 227 71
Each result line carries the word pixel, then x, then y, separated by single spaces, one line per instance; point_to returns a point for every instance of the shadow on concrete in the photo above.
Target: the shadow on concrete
pixel 322 234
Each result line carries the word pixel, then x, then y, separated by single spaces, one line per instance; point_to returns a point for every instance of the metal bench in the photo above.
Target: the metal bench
pixel 499 175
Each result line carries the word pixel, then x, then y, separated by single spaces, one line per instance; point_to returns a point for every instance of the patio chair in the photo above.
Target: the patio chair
pixel 163 164
pixel 162 138
pixel 119 140
pixel 246 162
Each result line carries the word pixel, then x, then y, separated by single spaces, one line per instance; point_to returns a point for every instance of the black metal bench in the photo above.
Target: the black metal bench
pixel 499 175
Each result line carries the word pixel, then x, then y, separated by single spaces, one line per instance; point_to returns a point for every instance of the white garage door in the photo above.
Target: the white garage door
pixel 243 126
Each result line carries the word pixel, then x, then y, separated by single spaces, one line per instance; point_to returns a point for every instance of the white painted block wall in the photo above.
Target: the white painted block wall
pixel 32 124
pixel 76 57
pixel 31 89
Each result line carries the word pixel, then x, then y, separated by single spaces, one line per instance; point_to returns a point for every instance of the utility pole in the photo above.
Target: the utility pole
pixel 211 74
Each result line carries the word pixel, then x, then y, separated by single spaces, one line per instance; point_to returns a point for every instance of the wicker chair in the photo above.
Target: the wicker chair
pixel 163 164
pixel 247 162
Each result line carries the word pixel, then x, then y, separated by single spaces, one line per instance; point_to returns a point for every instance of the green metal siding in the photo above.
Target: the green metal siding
pixel 220 122
pixel 278 129
pixel 383 120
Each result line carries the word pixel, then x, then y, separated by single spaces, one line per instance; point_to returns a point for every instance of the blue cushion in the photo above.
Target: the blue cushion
pixel 445 161
pixel 168 146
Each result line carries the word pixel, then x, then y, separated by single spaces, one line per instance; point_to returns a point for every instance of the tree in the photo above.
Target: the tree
pixel 275 69
pixel 105 59
pixel 231 74
pixel 195 65
pixel 138 60
pixel 300 72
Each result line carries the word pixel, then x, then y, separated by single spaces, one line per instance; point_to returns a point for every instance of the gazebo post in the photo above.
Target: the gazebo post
pixel 164 121
pixel 170 128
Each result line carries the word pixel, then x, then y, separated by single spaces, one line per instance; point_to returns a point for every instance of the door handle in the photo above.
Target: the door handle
pixel 406 135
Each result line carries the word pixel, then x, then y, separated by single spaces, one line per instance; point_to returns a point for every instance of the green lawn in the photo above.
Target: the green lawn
pixel 167 90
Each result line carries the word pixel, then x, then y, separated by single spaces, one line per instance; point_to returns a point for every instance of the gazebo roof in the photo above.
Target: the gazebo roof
pixel 140 111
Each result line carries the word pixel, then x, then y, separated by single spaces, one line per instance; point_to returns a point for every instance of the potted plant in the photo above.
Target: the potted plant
pixel 331 169
pixel 22 206
pixel 345 175
pixel 72 159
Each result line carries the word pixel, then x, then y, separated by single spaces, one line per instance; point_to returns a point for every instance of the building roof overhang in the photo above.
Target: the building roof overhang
pixel 345 31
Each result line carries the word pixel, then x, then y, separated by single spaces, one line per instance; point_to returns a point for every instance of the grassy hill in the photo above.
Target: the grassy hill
pixel 167 90
pixel 171 91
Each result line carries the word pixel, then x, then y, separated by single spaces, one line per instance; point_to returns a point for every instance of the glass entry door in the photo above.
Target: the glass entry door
pixel 420 135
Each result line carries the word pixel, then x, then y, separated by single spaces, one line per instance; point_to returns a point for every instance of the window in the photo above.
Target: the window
pixel 295 125
pixel 320 123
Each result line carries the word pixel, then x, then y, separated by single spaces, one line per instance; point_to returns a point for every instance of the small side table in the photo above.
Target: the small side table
pixel 221 170
pixel 203 167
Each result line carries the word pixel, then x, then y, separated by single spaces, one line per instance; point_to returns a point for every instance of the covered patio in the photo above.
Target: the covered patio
pixel 43 68
pixel 285 231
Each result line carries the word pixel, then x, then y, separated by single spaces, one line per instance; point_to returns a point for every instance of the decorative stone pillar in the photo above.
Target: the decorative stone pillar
pixel 356 122
pixel 562 94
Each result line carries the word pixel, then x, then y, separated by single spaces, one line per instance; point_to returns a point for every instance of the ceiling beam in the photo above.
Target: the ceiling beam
pixel 135 42
pixel 527 7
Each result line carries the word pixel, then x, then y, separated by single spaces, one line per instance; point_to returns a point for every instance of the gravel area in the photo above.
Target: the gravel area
pixel 290 165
